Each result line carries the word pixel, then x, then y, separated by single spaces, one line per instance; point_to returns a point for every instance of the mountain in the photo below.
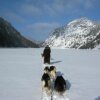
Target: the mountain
pixel 10 37
pixel 80 34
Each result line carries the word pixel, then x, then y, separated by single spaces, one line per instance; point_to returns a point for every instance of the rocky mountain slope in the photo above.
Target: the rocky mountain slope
pixel 81 34
pixel 10 37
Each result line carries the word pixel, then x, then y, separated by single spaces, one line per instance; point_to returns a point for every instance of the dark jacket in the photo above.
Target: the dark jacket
pixel 46 52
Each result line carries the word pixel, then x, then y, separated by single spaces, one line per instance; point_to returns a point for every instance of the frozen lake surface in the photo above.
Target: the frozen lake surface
pixel 21 71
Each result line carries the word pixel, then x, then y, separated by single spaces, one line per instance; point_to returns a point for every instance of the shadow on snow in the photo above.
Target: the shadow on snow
pixel 55 62
pixel 98 98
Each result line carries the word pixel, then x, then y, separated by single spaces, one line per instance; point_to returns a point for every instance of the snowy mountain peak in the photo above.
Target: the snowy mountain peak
pixel 83 21
pixel 80 33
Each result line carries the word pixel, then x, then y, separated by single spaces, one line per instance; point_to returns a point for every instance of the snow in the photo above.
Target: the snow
pixel 21 71
pixel 97 47
pixel 84 19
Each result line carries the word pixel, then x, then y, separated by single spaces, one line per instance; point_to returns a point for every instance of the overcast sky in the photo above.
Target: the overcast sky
pixel 36 19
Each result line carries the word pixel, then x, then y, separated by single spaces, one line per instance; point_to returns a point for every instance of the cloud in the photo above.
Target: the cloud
pixel 30 9
pixel 14 16
pixel 51 8
pixel 42 28
pixel 55 8
pixel 58 7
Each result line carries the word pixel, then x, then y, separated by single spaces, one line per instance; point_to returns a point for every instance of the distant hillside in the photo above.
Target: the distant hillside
pixel 10 37
pixel 80 34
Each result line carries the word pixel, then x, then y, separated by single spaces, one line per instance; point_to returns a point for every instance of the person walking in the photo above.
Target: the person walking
pixel 46 54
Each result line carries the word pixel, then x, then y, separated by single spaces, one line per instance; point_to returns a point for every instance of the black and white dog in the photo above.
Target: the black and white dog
pixel 60 85
pixel 45 81
pixel 52 72
pixel 49 77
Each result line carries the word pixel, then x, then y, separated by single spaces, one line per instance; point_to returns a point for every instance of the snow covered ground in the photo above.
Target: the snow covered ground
pixel 21 70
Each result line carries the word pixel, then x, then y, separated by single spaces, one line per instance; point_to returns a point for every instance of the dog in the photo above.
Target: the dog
pixel 52 72
pixel 60 85
pixel 47 70
pixel 45 81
